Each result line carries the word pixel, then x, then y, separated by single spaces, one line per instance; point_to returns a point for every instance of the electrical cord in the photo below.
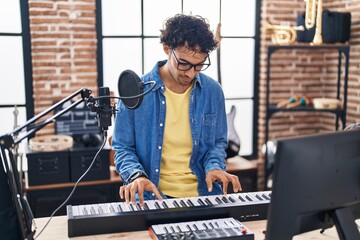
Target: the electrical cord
pixel 77 182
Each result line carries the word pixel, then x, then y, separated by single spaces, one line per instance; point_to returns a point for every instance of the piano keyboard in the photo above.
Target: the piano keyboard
pixel 121 217
pixel 222 228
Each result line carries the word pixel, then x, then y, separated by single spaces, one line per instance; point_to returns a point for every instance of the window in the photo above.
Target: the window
pixel 128 38
pixel 15 65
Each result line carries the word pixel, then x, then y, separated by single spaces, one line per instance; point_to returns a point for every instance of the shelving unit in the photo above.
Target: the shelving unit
pixel 271 108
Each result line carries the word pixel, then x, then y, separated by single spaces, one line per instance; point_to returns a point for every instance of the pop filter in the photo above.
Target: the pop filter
pixel 131 89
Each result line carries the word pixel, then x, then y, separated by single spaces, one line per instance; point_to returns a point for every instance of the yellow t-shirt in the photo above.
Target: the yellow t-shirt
pixel 176 178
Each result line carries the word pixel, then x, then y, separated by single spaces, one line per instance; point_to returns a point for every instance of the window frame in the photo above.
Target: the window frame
pixel 27 61
pixel 254 98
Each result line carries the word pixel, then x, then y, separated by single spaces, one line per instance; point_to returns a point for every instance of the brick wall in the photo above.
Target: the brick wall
pixel 63 45
pixel 304 72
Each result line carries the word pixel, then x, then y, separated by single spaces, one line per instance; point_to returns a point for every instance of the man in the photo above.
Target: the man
pixel 174 144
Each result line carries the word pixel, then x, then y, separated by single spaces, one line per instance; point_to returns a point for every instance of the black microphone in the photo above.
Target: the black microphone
pixel 105 109
pixel 131 89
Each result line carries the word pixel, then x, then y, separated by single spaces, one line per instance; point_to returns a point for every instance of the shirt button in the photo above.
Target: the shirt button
pixel 161 125
pixel 159 147
pixel 162 87
pixel 153 194
pixel 156 170
pixel 163 102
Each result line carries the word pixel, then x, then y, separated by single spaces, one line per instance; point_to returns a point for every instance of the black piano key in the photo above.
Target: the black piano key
pixel 157 205
pixel 166 230
pixel 248 198
pixel 190 203
pixel 217 224
pixel 206 226
pixel 132 207
pixel 183 203
pixel 138 206
pixel 92 210
pixel 225 199
pixel 188 227
pixel 211 225
pixel 195 227
pixel 101 211
pixel 146 207
pixel 218 200
pixel 85 212
pixel 232 199
pixel 266 197
pixel 176 204
pixel 165 204
pixel 172 229
pixel 201 202
pixel 259 197
pixel 208 201
pixel 119 207
pixel 112 209
pixel 241 198
pixel 178 228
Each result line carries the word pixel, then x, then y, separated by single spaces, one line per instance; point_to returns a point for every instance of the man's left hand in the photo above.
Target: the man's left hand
pixel 223 177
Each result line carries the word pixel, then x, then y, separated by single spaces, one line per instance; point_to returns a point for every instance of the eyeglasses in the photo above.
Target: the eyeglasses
pixel 185 66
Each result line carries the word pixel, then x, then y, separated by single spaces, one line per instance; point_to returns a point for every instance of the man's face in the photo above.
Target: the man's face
pixel 185 64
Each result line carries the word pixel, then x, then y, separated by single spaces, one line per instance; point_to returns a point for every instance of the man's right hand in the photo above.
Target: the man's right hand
pixel 139 185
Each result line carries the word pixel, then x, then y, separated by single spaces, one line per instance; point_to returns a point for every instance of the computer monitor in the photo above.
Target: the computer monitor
pixel 316 185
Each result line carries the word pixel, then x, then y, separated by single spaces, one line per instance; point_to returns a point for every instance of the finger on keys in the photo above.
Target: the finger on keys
pixel 141 194
pixel 127 193
pixel 209 184
pixel 133 191
pixel 121 192
pixel 157 193
pixel 236 184
pixel 225 187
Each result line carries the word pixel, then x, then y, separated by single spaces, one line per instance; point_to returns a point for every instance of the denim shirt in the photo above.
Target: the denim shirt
pixel 138 134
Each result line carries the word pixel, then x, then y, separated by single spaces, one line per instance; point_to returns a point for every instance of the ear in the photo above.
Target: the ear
pixel 166 49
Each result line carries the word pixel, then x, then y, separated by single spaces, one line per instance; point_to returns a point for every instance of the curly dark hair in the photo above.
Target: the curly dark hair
pixel 192 29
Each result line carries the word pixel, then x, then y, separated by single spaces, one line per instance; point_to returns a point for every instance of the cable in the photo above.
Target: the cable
pixel 77 182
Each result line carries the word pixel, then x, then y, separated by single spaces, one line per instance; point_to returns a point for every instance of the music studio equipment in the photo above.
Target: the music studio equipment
pixel 335 27
pixel 13 201
pixel 122 217
pixel 313 14
pixel 221 228
pixel 131 89
pixel 283 34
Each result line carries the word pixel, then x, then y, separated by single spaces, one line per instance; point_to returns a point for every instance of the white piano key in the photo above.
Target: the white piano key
pixel 94 209
pixel 75 211
pixel 170 202
pixel 116 207
pixel 107 207
pixel 125 207
pixel 183 227
pixel 151 204
pixel 200 225
pixel 158 230
pixel 88 209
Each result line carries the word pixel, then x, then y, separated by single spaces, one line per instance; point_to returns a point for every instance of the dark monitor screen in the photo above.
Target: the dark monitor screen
pixel 316 185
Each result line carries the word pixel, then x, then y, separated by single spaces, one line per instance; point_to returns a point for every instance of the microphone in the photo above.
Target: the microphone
pixel 131 92
pixel 105 109
pixel 131 89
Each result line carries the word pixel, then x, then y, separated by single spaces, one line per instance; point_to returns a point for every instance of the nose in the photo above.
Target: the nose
pixel 191 72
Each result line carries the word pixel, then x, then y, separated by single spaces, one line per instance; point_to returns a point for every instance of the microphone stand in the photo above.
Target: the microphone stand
pixel 14 204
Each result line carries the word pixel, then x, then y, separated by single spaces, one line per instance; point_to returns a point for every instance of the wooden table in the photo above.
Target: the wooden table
pixel 57 230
